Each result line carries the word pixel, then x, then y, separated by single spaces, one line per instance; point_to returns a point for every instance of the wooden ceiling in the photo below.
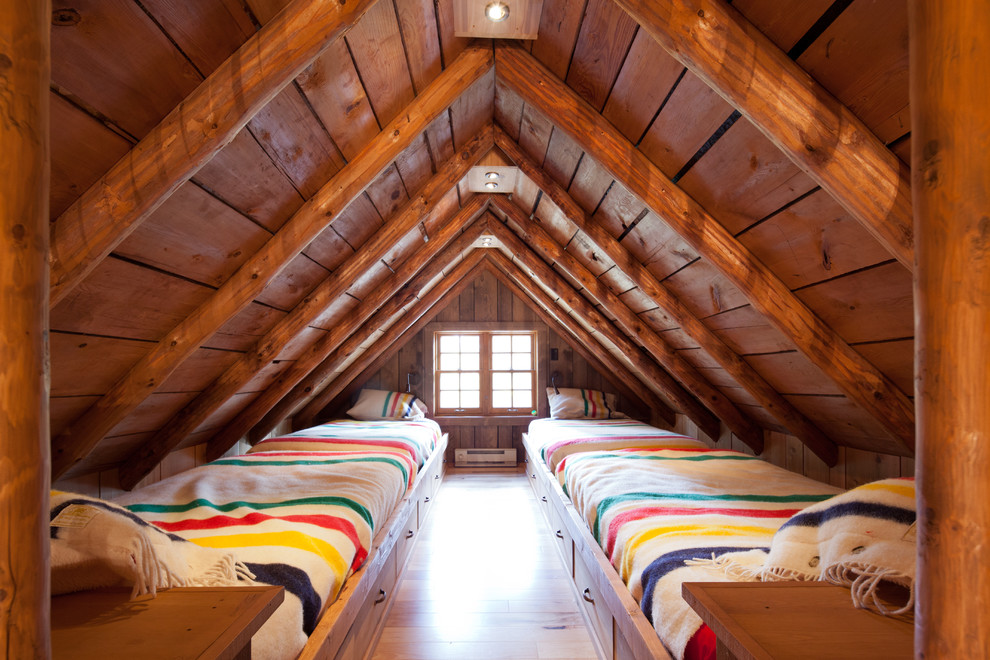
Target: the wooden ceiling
pixel 246 201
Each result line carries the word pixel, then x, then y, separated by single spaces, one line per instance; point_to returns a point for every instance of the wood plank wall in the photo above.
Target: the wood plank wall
pixel 484 300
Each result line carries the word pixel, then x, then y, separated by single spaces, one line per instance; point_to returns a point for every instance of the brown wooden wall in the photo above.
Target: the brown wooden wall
pixel 485 300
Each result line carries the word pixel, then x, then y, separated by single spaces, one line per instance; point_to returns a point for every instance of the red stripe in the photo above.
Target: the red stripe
pixel 654 511
pixel 399 444
pixel 341 525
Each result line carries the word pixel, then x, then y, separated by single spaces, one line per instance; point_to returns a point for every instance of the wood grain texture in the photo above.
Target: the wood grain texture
pixel 631 351
pixel 766 395
pixel 24 371
pixel 630 323
pixel 190 135
pixel 822 136
pixel 862 382
pixel 306 312
pixel 256 418
pixel 580 340
pixel 451 285
pixel 950 122
pixel 245 284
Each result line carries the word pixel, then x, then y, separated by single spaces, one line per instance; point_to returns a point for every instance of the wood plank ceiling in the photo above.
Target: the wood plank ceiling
pixel 244 201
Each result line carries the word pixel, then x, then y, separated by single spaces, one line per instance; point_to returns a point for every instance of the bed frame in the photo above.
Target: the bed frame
pixel 348 627
pixel 620 628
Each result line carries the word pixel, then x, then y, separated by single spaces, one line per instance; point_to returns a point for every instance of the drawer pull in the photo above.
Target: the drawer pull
pixel 587 596
pixel 543 499
pixel 426 500
pixel 436 476
pixel 409 534
pixel 382 595
pixel 558 534
pixel 532 476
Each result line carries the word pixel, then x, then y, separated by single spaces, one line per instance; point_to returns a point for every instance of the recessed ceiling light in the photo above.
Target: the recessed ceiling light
pixel 491 185
pixel 492 175
pixel 496 12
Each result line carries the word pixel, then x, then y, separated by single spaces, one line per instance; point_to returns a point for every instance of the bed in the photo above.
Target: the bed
pixel 329 513
pixel 639 505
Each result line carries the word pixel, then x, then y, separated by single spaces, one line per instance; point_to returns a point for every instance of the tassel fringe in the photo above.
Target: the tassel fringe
pixel 864 580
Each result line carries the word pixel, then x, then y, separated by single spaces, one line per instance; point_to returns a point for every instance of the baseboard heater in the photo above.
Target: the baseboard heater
pixel 485 457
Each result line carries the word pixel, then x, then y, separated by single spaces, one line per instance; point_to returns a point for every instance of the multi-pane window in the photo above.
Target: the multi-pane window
pixel 483 372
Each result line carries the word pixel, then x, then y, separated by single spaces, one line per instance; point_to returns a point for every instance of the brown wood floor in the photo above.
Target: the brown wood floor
pixel 484 580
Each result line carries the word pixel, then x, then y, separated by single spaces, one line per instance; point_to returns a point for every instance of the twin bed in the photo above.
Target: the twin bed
pixel 637 511
pixel 329 513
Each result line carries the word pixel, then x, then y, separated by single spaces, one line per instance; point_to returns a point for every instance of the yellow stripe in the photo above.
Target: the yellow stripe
pixel 906 491
pixel 636 540
pixel 297 540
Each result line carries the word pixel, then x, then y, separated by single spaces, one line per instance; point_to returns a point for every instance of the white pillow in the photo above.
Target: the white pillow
pixel 381 404
pixel 573 403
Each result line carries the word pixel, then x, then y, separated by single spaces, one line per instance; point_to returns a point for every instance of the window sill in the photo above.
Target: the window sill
pixel 484 420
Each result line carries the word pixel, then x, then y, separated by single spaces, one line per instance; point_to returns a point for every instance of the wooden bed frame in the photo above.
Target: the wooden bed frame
pixel 620 628
pixel 347 628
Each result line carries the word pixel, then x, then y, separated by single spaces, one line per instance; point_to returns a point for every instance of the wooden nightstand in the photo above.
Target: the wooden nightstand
pixel 757 620
pixel 195 622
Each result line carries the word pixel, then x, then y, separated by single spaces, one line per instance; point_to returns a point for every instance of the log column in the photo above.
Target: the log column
pixel 24 455
pixel 950 117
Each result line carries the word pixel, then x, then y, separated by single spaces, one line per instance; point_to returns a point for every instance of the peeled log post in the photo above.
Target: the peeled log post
pixel 24 451
pixel 950 124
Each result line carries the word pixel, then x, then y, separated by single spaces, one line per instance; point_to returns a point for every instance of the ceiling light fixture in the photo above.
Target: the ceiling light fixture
pixel 496 11
pixel 492 175
pixel 491 185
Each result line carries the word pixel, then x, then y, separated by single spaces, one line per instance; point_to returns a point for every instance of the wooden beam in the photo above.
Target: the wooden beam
pixel 639 359
pixel 950 125
pixel 191 134
pixel 252 277
pixel 25 73
pixel 648 283
pixel 820 134
pixel 410 322
pixel 254 417
pixel 150 453
pixel 530 231
pixel 582 341
pixel 859 380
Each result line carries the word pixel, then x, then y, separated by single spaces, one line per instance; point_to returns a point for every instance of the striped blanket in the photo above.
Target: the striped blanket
pixel 417 438
pixel 654 511
pixel 303 520
pixel 558 438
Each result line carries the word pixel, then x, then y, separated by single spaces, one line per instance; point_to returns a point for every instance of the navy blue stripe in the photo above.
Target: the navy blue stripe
pixel 671 561
pixel 295 582
pixel 865 509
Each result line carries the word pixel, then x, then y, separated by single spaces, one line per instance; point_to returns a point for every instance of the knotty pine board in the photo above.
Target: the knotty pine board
pixel 603 41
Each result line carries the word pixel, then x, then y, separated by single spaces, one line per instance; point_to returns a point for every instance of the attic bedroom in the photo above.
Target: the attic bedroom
pixel 352 265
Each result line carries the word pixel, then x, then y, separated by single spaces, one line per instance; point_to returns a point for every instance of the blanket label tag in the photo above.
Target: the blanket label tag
pixel 75 515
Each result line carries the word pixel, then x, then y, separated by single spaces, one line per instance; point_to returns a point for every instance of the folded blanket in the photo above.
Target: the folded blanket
pixel 857 539
pixel 98 544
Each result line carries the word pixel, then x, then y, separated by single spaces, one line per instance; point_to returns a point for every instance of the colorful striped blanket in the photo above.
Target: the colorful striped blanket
pixel 654 511
pixel 303 520
pixel 558 438
pixel 418 438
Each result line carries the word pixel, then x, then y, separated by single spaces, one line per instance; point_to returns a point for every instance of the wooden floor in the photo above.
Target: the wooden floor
pixel 484 580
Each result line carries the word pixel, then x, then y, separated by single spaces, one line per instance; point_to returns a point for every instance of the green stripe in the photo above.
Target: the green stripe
pixel 585 403
pixel 230 506
pixel 385 407
pixel 367 459
pixel 608 502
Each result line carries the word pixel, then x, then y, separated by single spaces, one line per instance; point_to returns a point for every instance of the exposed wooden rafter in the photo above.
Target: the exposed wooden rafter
pixel 191 134
pixel 530 231
pixel 637 357
pixel 857 378
pixel 306 312
pixel 580 339
pixel 250 279
pixel 458 232
pixel 648 283
pixel 410 322
pixel 821 135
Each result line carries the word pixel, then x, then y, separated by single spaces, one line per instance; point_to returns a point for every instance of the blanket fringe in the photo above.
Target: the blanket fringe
pixel 732 569
pixel 864 580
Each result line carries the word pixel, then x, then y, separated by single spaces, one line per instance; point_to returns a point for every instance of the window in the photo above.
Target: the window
pixel 485 371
